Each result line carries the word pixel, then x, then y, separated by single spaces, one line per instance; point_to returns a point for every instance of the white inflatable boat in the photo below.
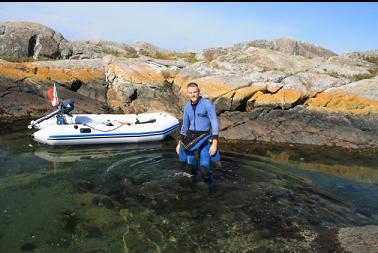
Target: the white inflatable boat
pixel 62 128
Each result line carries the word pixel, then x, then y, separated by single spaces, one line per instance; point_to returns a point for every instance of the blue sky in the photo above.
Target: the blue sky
pixel 340 27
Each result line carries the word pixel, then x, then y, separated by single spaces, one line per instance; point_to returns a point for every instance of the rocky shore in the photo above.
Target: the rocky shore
pixel 284 90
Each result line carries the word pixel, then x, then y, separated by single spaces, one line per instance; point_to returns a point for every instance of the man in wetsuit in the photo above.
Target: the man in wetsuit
pixel 199 135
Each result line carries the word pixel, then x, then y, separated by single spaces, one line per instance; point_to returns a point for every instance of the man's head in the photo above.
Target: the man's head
pixel 193 92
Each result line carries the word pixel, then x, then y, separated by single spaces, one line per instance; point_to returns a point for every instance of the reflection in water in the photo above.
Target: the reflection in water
pixel 137 198
pixel 357 173
pixel 79 153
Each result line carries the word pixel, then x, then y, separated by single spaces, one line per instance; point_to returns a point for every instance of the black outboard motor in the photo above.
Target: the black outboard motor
pixel 65 107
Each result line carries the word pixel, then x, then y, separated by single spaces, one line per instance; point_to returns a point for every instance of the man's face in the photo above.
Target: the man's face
pixel 193 93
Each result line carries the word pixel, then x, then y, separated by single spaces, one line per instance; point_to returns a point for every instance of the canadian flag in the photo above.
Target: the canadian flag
pixel 53 94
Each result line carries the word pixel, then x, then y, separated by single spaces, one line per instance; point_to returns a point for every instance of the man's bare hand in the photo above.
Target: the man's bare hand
pixel 213 148
pixel 178 149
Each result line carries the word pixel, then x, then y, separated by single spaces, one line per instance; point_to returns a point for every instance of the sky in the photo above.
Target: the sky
pixel 340 27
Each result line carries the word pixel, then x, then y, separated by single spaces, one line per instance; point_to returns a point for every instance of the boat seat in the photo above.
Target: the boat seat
pixel 82 120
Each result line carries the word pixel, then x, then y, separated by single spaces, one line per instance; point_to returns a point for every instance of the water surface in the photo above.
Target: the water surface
pixel 137 198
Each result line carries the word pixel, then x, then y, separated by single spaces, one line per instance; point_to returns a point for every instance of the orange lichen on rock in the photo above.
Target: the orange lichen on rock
pixel 67 75
pixel 16 71
pixel 136 72
pixel 215 86
pixel 284 98
pixel 342 102
pixel 246 92
pixel 39 73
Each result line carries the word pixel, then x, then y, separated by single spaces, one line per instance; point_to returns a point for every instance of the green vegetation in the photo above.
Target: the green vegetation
pixel 111 52
pixel 372 59
pixel 12 58
pixel 359 77
pixel 132 54
pixel 48 59
pixel 158 55
pixel 189 57
pixel 129 54
pixel 334 74
pixel 374 71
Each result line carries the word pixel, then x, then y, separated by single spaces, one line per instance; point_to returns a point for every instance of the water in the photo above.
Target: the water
pixel 139 198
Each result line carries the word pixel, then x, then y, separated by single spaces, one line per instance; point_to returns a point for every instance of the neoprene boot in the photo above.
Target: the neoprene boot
pixel 194 173
pixel 207 178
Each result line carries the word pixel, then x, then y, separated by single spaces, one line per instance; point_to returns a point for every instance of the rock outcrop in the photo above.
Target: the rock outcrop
pixel 92 49
pixel 275 79
pixel 285 45
pixel 24 87
pixel 137 86
pixel 273 91
pixel 359 239
pixel 291 47
pixel 359 97
pixel 301 126
pixel 23 100
pixel 26 39
pixel 86 77
pixel 148 49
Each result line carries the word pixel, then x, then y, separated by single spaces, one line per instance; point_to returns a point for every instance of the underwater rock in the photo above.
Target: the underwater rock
pixel 108 203
pixel 96 201
pixel 101 217
pixel 326 241
pixel 91 231
pixel 362 210
pixel 359 239
pixel 124 213
pixel 71 220
pixel 28 247
pixel 85 185
pixel 277 225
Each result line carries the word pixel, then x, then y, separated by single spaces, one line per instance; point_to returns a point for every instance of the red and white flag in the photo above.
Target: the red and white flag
pixel 53 94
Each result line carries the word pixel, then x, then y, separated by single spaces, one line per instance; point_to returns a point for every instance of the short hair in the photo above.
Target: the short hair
pixel 192 84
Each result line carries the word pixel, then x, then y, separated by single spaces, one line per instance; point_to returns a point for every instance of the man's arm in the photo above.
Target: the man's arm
pixel 213 120
pixel 214 128
pixel 184 128
pixel 185 122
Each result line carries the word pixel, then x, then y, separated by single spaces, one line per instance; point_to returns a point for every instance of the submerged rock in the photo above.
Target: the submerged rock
pixel 28 246
pixel 359 239
pixel 71 220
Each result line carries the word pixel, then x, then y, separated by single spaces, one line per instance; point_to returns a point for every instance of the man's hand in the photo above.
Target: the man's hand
pixel 178 148
pixel 213 148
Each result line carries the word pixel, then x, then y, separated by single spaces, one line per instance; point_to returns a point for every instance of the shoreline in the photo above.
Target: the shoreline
pixel 21 126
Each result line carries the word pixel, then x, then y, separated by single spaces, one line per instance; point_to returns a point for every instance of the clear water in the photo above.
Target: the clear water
pixel 137 198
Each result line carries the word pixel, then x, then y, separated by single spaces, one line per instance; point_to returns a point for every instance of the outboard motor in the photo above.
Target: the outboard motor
pixel 66 107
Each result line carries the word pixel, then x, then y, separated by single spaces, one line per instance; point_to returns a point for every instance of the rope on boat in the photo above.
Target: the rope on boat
pixel 104 131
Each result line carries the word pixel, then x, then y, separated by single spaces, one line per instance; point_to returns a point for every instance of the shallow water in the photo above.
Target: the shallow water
pixel 137 198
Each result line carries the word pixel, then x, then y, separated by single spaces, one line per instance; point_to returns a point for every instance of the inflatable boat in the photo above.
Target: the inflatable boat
pixel 63 128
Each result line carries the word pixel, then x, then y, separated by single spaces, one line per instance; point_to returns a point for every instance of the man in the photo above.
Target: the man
pixel 199 135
